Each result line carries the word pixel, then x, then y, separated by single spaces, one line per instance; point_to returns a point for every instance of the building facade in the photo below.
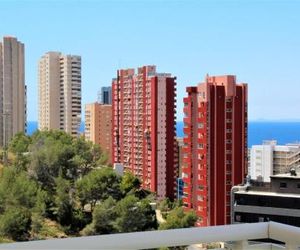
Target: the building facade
pixel 98 126
pixel 215 146
pixel 59 90
pixel 270 159
pixel 180 145
pixel 277 201
pixel 104 95
pixel 13 103
pixel 144 136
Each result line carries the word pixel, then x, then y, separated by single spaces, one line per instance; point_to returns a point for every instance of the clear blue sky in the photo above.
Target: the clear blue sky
pixel 259 41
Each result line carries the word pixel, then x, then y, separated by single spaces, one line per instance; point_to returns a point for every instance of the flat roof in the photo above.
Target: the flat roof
pixel 287 176
pixel 264 193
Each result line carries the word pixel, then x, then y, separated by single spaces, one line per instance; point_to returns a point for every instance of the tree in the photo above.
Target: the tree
pixel 49 158
pixel 86 155
pixel 19 147
pixel 55 152
pixel 104 216
pixel 63 201
pixel 165 206
pixel 97 186
pixel 16 189
pixel 15 223
pixel 178 218
pixel 19 144
pixel 129 183
pixel 43 203
pixel 134 215
pixel 41 183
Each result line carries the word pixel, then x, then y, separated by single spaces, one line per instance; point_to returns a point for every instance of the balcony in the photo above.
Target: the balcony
pixel 237 236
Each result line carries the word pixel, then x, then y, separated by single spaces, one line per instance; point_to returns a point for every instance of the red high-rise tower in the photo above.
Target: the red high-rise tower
pixel 215 146
pixel 144 139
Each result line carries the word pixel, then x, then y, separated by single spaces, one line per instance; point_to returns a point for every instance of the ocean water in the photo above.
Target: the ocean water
pixel 283 132
pixel 32 126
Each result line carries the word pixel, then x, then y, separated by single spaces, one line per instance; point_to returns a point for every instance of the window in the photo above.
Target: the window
pixel 283 185
pixel 298 185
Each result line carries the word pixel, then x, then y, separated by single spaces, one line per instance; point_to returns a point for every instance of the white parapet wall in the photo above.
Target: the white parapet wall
pixel 237 235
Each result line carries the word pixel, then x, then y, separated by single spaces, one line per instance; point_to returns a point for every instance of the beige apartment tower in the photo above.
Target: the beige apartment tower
pixel 60 92
pixel 98 125
pixel 12 89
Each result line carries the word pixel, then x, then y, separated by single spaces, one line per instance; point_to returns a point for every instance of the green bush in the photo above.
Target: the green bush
pixel 15 223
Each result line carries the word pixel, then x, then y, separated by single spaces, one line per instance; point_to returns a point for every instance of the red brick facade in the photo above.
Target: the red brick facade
pixel 215 147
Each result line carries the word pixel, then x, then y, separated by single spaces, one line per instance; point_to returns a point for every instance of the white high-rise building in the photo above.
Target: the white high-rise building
pixel 60 92
pixel 271 159
pixel 12 89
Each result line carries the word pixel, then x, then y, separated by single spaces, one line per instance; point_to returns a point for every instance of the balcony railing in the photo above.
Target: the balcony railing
pixel 236 236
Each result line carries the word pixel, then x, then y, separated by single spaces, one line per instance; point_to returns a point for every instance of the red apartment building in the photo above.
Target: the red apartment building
pixel 215 146
pixel 144 133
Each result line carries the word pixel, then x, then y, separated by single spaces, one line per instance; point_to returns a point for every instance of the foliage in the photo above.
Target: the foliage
pixel 42 204
pixel 134 215
pixel 128 215
pixel 36 223
pixel 49 158
pixel 16 189
pixel 15 223
pixel 56 185
pixel 97 186
pixel 5 240
pixel 19 144
pixel 63 201
pixel 178 218
pixel 129 183
pixel 104 215
pixel 46 229
pixel 165 206
pixel 54 152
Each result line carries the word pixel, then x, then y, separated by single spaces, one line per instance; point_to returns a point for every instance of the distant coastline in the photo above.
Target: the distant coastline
pixel 281 130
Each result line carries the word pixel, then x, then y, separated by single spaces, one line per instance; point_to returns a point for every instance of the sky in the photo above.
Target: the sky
pixel 258 41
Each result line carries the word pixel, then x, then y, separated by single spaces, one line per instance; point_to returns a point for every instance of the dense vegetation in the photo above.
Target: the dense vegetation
pixel 55 185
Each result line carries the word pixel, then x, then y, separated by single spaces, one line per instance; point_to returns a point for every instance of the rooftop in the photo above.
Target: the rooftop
pixel 287 176
pixel 266 193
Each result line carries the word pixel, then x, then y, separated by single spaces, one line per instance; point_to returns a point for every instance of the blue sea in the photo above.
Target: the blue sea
pixel 283 132
pixel 32 126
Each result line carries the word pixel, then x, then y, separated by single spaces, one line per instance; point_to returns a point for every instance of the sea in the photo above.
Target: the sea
pixel 258 131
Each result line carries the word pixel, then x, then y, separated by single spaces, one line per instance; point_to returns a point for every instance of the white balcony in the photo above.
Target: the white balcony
pixel 235 236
